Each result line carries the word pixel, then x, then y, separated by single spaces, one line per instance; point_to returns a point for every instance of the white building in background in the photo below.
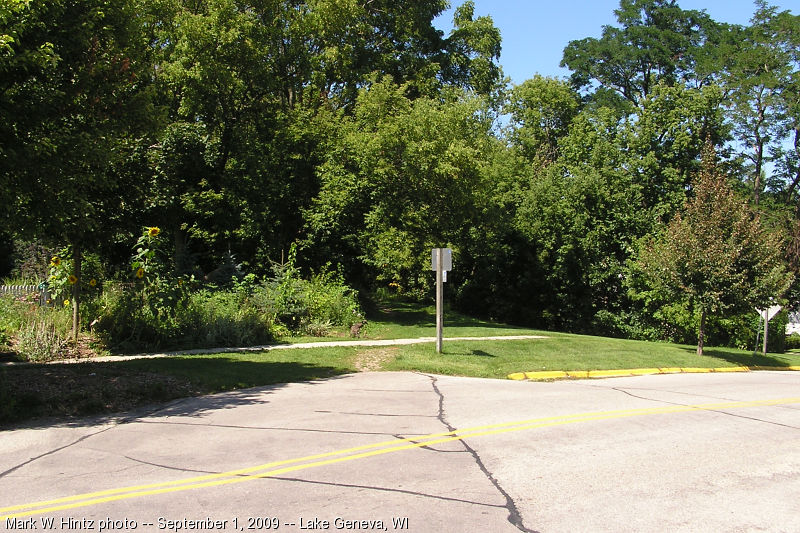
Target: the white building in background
pixel 793 326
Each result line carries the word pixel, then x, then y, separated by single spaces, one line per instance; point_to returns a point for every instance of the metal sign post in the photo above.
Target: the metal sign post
pixel 441 262
pixel 439 298
pixel 767 315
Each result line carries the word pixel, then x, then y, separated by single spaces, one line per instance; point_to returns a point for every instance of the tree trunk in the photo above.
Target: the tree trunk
pixel 759 159
pixel 180 252
pixel 701 332
pixel 76 292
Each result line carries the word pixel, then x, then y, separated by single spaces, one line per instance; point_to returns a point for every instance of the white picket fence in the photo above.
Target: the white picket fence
pixel 25 290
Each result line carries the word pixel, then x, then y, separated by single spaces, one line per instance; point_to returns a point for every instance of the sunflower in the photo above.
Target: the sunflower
pixel 72 279
pixel 152 232
pixel 92 282
pixel 140 273
pixel 66 303
pixel 55 261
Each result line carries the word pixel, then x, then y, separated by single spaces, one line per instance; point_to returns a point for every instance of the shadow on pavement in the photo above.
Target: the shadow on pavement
pixel 85 394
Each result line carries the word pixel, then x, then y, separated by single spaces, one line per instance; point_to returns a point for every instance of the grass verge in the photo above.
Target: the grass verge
pixel 68 390
pixel 571 352
pixel 87 388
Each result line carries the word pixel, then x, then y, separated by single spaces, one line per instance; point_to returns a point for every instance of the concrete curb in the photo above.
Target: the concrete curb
pixel 583 374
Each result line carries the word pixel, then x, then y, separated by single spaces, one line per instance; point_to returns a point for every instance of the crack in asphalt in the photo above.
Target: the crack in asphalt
pixel 168 467
pixel 514 516
pixel 429 448
pixel 735 415
pixel 328 483
pixel 268 428
pixel 56 450
pixel 387 489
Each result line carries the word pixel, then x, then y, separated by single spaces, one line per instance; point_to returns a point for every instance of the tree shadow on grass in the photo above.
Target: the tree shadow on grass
pixel 450 351
pixel 744 358
pixel 66 394
pixel 481 353
pixel 413 314
pixel 401 313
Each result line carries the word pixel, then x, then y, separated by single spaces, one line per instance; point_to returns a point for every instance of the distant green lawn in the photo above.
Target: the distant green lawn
pixel 398 320
pixel 88 388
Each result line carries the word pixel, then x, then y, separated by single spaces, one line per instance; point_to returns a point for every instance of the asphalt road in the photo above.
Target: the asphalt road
pixel 424 453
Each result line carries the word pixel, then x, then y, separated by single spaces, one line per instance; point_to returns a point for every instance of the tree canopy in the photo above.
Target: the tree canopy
pixel 360 135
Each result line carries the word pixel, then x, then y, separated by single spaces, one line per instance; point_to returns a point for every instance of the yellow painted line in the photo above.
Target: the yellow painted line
pixel 517 376
pixel 732 369
pixel 252 473
pixel 670 370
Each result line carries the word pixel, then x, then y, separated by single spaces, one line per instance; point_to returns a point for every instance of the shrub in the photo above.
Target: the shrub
pixel 310 306
pixel 40 341
pixel 43 335
pixel 330 300
pixel 203 319
pixel 36 333
pixel 792 341
pixel 11 313
pixel 222 319
pixel 159 311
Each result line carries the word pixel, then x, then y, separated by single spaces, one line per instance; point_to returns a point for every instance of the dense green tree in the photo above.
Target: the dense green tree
pixel 265 82
pixel 541 112
pixel 472 51
pixel 614 178
pixel 402 176
pixel 760 80
pixel 662 142
pixel 656 42
pixel 581 229
pixel 73 121
pixel 715 255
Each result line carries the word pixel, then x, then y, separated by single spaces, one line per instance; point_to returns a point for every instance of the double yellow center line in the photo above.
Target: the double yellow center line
pixel 277 468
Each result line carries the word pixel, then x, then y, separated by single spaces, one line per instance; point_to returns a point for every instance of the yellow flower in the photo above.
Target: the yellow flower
pixel 140 273
pixel 55 261
pixel 153 231
pixel 92 282
pixel 66 303
pixel 72 279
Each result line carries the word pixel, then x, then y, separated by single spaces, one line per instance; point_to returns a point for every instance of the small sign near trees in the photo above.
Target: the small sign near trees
pixel 441 262
pixel 766 315
pixel 447 259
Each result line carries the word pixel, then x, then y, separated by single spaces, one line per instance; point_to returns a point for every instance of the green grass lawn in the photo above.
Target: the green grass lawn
pixel 497 359
pixel 65 390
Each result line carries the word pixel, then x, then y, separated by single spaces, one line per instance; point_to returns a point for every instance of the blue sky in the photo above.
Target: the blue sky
pixel 535 32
